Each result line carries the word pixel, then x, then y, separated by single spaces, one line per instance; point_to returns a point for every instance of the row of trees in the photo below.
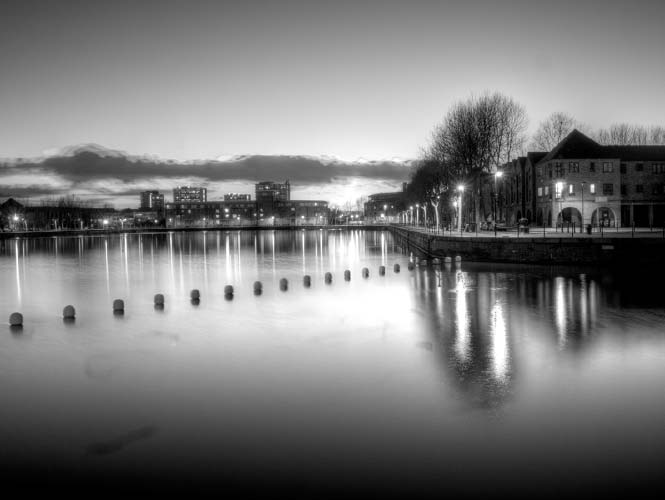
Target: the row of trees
pixel 481 133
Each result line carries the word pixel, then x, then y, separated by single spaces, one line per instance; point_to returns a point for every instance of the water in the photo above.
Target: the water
pixel 471 377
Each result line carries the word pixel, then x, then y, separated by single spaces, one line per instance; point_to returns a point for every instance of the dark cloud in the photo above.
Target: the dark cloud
pixel 87 167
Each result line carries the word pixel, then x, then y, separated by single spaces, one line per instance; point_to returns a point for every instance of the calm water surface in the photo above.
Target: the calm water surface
pixel 468 377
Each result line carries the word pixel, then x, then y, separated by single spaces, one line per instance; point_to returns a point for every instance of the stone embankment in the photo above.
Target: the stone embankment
pixel 606 251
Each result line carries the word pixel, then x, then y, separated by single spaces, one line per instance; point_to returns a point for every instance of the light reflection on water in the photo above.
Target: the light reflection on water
pixel 487 367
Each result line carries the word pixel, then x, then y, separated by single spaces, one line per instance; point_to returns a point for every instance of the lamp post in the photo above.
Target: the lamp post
pixel 497 175
pixel 456 213
pixel 582 224
pixel 460 188
pixel 558 193
pixel 411 215
pixel 417 214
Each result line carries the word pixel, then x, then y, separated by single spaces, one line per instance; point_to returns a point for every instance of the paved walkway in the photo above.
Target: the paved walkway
pixel 534 232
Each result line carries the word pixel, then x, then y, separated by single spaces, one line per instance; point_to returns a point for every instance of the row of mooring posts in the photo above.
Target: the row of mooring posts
pixel 69 312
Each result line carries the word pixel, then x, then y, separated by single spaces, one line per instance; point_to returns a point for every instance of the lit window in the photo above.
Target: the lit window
pixel 558 189
pixel 592 189
pixel 540 191
pixel 571 189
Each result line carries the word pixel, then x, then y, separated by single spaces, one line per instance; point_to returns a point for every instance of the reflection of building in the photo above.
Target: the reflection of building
pixel 187 194
pixel 584 182
pixel 385 206
pixel 152 201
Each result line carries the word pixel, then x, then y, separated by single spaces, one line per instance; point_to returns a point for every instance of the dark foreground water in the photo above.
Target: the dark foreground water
pixel 473 378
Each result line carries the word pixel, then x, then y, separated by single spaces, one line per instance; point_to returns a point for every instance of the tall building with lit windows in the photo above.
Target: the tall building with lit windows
pixel 187 194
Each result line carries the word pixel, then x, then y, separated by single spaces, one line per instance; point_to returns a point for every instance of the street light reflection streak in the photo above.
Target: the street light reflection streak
pixel 18 275
pixel 106 260
pixel 560 309
pixel 500 354
pixel 462 338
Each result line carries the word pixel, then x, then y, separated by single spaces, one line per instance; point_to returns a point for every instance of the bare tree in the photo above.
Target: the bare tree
pixel 635 135
pixel 552 130
pixel 475 137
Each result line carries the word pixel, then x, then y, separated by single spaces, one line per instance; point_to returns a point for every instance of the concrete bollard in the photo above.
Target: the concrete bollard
pixel 258 288
pixel 411 266
pixel 283 284
pixel 118 306
pixel 16 319
pixel 328 278
pixel 447 260
pixel 424 262
pixel 436 261
pixel 365 272
pixel 382 270
pixel 307 280
pixel 195 294
pixel 458 258
pixel 159 299
pixel 228 290
pixel 396 268
pixel 68 312
pixel 347 275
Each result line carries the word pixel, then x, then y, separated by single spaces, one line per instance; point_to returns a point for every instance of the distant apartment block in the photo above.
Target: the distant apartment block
pixel 272 207
pixel 190 194
pixel 152 201
pixel 237 197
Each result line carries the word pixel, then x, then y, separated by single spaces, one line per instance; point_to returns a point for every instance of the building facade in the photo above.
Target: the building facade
pixel 583 182
pixel 152 201
pixel 190 194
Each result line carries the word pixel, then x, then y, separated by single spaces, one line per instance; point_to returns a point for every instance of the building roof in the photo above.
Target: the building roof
pixel 535 156
pixel 386 196
pixel 577 145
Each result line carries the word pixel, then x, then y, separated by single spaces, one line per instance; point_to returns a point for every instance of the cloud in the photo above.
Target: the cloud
pixel 92 176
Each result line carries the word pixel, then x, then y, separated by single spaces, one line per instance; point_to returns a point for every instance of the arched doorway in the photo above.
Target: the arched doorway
pixel 549 218
pixel 539 216
pixel 570 215
pixel 603 216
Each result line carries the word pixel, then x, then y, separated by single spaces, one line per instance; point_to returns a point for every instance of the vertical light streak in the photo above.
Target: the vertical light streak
pixel 500 353
pixel 18 275
pixel 462 338
pixel 560 309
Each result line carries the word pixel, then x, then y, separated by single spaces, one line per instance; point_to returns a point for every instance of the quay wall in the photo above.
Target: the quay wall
pixel 566 250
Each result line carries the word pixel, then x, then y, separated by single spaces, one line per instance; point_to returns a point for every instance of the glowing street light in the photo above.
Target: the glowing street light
pixel 460 188
pixel 497 175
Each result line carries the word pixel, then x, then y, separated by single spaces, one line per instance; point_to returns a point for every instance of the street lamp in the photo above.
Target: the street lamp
pixel 582 228
pixel 497 175
pixel 411 214
pixel 417 214
pixel 558 193
pixel 460 188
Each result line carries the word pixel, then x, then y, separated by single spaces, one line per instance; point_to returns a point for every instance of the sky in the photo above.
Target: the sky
pixel 187 79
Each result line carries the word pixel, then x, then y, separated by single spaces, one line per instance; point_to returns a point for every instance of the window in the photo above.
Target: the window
pixel 571 189
pixel 608 189
pixel 558 189
pixel 658 168
pixel 639 188
pixel 592 166
pixel 573 167
pixel 539 170
pixel 624 189
pixel 592 188
pixel 540 191
pixel 547 190
pixel 639 167
pixel 559 169
pixel 622 168
pixel 608 167
pixel 549 171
